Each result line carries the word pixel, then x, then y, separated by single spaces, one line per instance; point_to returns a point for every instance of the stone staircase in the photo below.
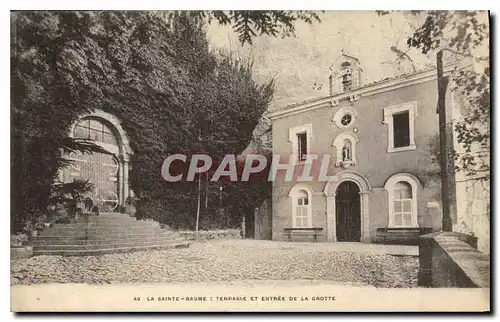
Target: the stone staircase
pixel 104 234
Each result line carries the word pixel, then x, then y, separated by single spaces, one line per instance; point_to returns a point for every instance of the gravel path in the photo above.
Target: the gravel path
pixel 222 260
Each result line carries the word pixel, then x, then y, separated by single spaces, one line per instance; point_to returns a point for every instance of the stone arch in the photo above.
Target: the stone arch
pixel 356 177
pixel 122 152
pixel 125 150
pixel 301 186
pixel 330 192
pixel 406 177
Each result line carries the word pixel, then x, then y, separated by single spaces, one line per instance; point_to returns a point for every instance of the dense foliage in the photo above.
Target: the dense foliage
pixel 463 36
pixel 157 76
pixel 460 33
pixel 250 23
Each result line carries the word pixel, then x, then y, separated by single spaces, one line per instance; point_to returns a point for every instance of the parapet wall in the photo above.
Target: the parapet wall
pixel 449 259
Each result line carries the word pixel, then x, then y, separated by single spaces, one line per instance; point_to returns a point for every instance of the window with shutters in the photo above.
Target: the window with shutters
pixel 302 146
pixel 301 211
pixel 301 202
pixel 300 137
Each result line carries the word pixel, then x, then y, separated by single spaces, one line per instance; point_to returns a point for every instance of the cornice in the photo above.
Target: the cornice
pixel 365 91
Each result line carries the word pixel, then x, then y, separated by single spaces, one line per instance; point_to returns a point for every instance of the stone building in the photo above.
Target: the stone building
pixel 382 138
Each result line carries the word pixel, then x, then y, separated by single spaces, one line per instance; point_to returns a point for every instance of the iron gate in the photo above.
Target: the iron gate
pixel 101 169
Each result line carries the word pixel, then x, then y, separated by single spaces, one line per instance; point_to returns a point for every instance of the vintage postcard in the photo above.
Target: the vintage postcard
pixel 334 161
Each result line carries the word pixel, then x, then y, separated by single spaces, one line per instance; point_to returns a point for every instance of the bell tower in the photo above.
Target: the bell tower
pixel 345 74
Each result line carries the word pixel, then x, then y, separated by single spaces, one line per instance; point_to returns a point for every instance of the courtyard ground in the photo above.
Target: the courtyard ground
pixel 231 260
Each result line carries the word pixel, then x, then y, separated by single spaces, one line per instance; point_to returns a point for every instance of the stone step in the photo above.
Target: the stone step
pixel 103 250
pixel 101 225
pixel 71 231
pixel 109 217
pixel 106 235
pixel 85 241
pixel 107 245
pixel 79 225
pixel 116 220
pixel 108 222
pixel 103 234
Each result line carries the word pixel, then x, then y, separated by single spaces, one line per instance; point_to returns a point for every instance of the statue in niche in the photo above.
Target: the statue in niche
pixel 346 152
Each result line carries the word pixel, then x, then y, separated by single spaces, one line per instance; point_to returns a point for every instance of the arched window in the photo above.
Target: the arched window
pixel 94 129
pixel 402 204
pixel 402 192
pixel 301 210
pixel 301 206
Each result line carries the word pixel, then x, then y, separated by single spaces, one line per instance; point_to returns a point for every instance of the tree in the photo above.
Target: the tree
pixel 250 23
pixel 157 75
pixel 464 36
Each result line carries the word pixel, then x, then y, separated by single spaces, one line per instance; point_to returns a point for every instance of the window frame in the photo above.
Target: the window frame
pixel 389 112
pixel 402 202
pixel 294 139
pixel 88 127
pixel 390 187
pixel 397 129
pixel 301 154
pixel 341 112
pixel 296 195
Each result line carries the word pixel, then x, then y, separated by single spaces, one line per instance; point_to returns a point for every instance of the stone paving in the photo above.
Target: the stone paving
pixel 229 260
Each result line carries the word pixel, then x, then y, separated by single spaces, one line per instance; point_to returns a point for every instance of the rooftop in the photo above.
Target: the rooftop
pixel 380 81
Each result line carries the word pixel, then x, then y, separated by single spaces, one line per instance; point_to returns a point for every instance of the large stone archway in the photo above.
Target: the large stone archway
pixel 330 192
pixel 119 149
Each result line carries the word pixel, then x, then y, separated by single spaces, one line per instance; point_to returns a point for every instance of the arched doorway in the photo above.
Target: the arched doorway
pixel 331 192
pixel 348 212
pixel 108 171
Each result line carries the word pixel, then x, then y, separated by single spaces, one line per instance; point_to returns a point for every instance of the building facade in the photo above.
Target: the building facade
pixel 382 139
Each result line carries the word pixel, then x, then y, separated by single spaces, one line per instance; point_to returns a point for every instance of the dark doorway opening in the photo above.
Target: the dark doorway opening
pixel 348 212
pixel 249 224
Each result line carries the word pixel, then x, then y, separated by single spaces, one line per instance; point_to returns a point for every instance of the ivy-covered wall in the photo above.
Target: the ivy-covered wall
pixel 159 77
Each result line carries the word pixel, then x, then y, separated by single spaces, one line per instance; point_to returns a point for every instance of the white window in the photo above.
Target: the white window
pixel 400 121
pixel 301 206
pixel 402 204
pixel 300 137
pixel 301 211
pixel 402 200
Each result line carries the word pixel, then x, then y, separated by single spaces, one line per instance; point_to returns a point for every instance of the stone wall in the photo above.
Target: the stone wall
pixel 211 234
pixel 473 211
pixel 450 259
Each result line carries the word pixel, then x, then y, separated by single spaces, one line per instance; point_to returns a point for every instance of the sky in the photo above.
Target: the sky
pixel 297 63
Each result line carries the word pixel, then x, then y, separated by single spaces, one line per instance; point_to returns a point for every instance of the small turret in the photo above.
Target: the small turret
pixel 345 74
